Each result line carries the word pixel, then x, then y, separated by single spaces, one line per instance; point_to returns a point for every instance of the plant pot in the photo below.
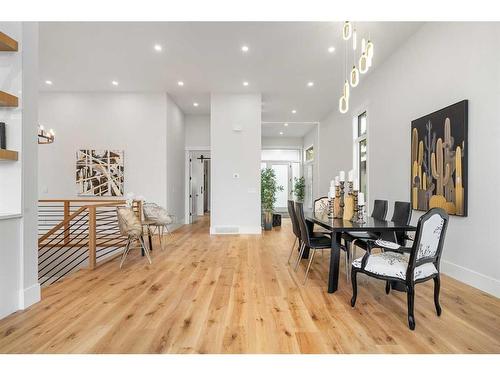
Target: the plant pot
pixel 268 220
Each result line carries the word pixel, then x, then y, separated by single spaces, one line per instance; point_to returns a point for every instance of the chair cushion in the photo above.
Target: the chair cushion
pixel 321 242
pixel 394 265
pixel 388 244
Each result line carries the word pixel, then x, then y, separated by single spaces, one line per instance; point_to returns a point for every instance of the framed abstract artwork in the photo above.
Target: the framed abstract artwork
pixel 439 160
pixel 99 173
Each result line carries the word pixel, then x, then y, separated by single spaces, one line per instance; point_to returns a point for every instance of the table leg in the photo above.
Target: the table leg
pixel 333 275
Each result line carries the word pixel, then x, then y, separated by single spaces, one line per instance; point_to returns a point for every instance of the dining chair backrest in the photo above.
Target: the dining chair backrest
pixel 304 231
pixel 128 222
pixel 293 218
pixel 379 209
pixel 321 204
pixel 429 239
pixel 401 215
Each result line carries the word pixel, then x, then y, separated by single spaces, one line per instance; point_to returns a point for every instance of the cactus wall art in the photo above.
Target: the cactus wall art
pixel 439 160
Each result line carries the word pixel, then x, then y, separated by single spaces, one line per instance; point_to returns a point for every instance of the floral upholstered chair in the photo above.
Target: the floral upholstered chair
pixel 407 265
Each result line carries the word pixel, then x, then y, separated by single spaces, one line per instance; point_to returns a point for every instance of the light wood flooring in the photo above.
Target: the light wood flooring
pixel 236 294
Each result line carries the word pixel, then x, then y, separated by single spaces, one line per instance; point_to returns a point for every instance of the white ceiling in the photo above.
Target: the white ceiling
pixel 294 130
pixel 283 57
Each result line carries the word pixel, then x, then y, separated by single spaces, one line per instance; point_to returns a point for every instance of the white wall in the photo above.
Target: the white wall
pixel 282 142
pixel 135 123
pixel 311 139
pixel 175 161
pixel 197 132
pixel 441 64
pixel 19 286
pixel 235 201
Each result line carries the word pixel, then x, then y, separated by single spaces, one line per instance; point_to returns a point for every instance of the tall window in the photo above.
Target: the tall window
pixel 361 154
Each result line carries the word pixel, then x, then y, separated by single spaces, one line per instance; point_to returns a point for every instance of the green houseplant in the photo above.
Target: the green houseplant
pixel 268 188
pixel 299 187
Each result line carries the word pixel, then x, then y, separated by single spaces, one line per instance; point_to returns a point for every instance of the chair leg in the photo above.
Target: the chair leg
pixel 437 285
pixel 125 252
pixel 387 287
pixel 301 252
pixel 411 305
pixel 291 251
pixel 146 250
pixel 160 235
pixel 313 251
pixel 354 281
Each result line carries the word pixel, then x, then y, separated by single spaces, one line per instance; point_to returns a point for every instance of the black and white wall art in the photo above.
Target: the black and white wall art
pixel 99 173
pixel 439 160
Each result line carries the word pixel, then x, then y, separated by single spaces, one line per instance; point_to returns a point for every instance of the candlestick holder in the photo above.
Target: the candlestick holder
pixel 330 208
pixel 361 216
pixel 354 217
pixel 342 204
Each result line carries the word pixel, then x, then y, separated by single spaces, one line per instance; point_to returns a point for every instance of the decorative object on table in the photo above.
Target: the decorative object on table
pixel 355 191
pixel 341 188
pixel 299 187
pixel 45 137
pixel 3 139
pixel 99 172
pixel 361 209
pixel 439 160
pixel 268 189
pixel 336 201
pixel 364 62
pixel 349 199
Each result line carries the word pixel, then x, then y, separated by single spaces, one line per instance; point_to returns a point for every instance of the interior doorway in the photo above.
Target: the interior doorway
pixel 198 185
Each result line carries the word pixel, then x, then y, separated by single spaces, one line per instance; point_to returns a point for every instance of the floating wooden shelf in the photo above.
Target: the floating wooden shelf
pixel 7 100
pixel 7 43
pixel 8 155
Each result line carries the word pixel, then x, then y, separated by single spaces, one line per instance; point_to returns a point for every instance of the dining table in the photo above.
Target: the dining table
pixel 338 226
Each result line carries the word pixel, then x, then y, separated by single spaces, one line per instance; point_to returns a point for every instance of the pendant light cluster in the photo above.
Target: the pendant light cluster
pixel 364 62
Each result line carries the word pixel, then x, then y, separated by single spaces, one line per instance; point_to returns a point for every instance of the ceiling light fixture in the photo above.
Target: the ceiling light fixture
pixel 114 83
pixel 331 49
pixel 294 111
pixel 285 124
pixel 195 104
pixel 48 82
pixel 158 48
pixel 244 48
pixel 347 30
pixel 245 83
pixel 180 83
pixel 310 84
pixel 281 133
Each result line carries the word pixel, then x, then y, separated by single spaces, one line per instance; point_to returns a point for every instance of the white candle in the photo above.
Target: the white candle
pixel 330 194
pixel 337 181
pixel 355 185
pixel 332 183
pixel 332 190
pixel 342 176
pixel 350 175
pixel 361 199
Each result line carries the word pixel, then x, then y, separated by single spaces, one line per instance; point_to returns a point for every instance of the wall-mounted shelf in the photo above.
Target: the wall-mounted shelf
pixel 7 100
pixel 8 155
pixel 7 43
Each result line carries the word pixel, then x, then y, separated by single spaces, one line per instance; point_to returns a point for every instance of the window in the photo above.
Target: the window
pixel 361 152
pixel 309 154
pixel 280 155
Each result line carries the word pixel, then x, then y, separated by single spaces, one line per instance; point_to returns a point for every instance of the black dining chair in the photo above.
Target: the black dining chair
pixel 295 227
pixel 408 266
pixel 379 212
pixel 312 242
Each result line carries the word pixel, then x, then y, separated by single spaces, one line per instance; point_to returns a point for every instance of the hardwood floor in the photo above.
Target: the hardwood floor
pixel 236 294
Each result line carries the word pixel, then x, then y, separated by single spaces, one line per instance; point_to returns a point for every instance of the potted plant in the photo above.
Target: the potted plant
pixel 299 187
pixel 268 188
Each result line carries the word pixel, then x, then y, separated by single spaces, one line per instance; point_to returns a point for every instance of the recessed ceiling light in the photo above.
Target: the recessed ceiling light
pixel 310 84
pixel 48 82
pixel 180 83
pixel 285 124
pixel 294 111
pixel 114 83
pixel 244 48
pixel 331 49
pixel 195 104
pixel 281 133
pixel 158 48
pixel 245 83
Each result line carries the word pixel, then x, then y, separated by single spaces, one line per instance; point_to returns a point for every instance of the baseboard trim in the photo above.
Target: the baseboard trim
pixel 241 230
pixel 29 296
pixel 477 280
